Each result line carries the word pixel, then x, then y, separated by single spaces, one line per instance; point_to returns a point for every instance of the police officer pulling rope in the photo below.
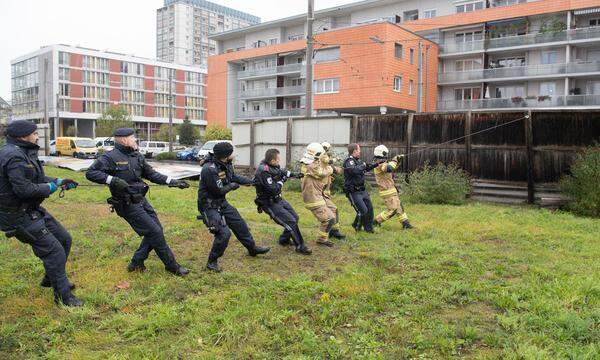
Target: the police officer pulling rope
pixel 23 188
pixel 354 187
pixel 123 170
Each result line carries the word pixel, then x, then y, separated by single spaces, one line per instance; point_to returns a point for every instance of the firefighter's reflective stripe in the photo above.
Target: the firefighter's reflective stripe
pixel 388 192
pixel 314 205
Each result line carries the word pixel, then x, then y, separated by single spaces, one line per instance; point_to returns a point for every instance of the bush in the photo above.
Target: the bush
pixel 166 156
pixel 216 132
pixel 294 185
pixel 188 133
pixel 582 185
pixel 439 184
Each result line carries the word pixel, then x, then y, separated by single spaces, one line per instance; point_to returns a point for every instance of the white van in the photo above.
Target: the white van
pixel 208 147
pixel 153 148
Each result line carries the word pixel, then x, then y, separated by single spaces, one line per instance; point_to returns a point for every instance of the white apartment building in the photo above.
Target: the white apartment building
pixel 183 28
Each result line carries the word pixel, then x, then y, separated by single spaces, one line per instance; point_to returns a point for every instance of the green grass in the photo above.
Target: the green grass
pixel 475 281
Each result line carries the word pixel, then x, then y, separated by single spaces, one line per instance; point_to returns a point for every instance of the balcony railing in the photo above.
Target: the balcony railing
pixel 519 72
pixel 273 92
pixel 587 33
pixel 515 103
pixel 272 71
pixel 270 113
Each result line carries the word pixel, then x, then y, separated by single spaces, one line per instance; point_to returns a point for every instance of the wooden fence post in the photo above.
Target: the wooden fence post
pixel 252 130
pixel 530 157
pixel 409 130
pixel 468 125
pixel 288 143
pixel 354 129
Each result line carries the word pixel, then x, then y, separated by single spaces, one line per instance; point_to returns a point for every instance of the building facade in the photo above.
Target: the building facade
pixel 5 112
pixel 183 28
pixel 484 55
pixel 368 68
pixel 76 85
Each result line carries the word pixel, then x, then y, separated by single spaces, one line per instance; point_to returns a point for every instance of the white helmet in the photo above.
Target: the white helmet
pixel 381 151
pixel 326 146
pixel 313 151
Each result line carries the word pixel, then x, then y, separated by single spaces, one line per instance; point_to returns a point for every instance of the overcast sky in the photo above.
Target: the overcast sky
pixel 126 26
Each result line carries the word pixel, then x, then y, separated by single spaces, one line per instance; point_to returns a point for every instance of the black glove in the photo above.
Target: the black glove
pixel 370 167
pixel 179 184
pixel 68 184
pixel 297 175
pixel 119 184
pixel 232 186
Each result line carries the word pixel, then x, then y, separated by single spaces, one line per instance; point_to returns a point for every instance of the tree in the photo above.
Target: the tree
pixel 188 133
pixel 163 133
pixel 217 132
pixel 113 118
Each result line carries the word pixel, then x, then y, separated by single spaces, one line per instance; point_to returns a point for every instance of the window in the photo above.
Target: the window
pixel 507 62
pixel 428 14
pixel 326 55
pixel 411 15
pixel 547 88
pixel 467 94
pixel 467 64
pixel 410 87
pixel 273 41
pixel 468 37
pixel 63 58
pixel 295 37
pixel 398 49
pixel 64 89
pixel 469 7
pixel 398 83
pixel 594 22
pixel 412 56
pixel 256 106
pixel 508 92
pixel 549 57
pixel 327 86
pixel 63 74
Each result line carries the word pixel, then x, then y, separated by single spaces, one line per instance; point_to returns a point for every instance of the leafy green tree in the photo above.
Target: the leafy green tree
pixel 163 133
pixel 188 133
pixel 217 132
pixel 113 118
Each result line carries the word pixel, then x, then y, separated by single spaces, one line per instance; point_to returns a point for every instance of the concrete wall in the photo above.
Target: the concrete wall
pixel 272 134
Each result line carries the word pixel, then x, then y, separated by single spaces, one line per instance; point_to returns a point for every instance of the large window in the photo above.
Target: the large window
pixel 507 62
pixel 327 86
pixel 467 64
pixel 411 15
pixel 469 7
pixel 325 55
pixel 508 92
pixel 63 58
pixel 549 57
pixel 468 37
pixel 428 14
pixel 467 94
pixel 398 49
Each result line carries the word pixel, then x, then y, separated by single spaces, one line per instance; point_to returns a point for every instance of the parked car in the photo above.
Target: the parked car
pixel 153 148
pixel 189 154
pixel 84 148
pixel 208 146
pixel 105 144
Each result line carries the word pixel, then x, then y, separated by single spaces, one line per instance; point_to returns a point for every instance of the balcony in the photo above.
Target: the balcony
pixel 560 101
pixel 568 36
pixel 519 72
pixel 270 114
pixel 273 92
pixel 272 71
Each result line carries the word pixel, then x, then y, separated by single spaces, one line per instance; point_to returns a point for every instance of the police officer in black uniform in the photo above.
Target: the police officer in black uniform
pixel 269 180
pixel 216 180
pixel 354 187
pixel 123 169
pixel 23 188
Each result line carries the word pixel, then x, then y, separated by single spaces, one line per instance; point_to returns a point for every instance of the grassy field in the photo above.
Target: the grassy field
pixel 475 281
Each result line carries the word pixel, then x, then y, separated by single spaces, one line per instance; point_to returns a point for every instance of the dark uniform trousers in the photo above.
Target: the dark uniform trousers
pixel 48 239
pixel 361 202
pixel 284 214
pixel 144 221
pixel 222 219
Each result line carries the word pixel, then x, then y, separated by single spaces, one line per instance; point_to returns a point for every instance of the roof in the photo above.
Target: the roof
pixel 301 18
pixel 4 104
pixel 218 9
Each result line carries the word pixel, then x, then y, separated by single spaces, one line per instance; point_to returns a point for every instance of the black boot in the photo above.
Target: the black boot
pixel 67 300
pixel 284 242
pixel 258 250
pixel 357 225
pixel 133 267
pixel 406 225
pixel 213 265
pixel 178 270
pixel 303 249
pixel 336 234
pixel 46 283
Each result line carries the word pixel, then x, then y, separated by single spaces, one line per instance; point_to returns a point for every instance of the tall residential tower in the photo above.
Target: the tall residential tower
pixel 183 27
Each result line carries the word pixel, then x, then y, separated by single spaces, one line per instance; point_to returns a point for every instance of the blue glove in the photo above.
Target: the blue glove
pixel 59 182
pixel 53 187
